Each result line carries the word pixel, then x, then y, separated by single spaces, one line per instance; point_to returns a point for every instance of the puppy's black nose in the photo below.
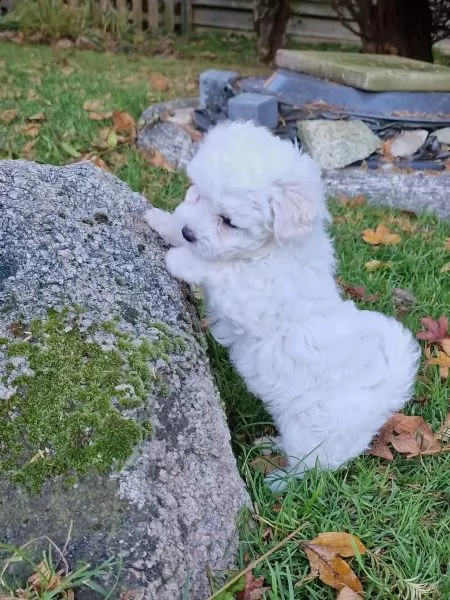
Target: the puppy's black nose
pixel 188 234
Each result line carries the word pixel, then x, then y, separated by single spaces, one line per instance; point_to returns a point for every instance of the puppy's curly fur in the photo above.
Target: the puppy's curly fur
pixel 252 232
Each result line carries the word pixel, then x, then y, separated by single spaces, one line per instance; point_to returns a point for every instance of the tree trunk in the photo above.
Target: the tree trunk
pixel 397 27
pixel 402 27
pixel 270 18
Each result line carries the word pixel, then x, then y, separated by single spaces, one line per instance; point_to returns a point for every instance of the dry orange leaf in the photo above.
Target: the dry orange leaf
pixel 9 115
pixel 32 95
pixel 31 129
pixel 124 122
pixel 411 436
pixel 330 568
pixel 352 201
pixel 340 542
pixel 27 148
pixel 443 361
pixel 93 105
pixel 375 265
pixel 445 345
pixel 44 578
pixel 156 159
pixel 268 463
pixel 159 83
pixel 380 236
pixel 96 116
pixel 443 433
pixel 347 594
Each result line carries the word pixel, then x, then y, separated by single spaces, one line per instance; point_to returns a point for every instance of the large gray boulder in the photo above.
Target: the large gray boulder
pixel 109 416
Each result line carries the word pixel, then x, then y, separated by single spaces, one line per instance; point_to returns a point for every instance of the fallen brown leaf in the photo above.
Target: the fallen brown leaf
pixel 96 116
pixel 156 159
pixel 330 568
pixel 159 83
pixel 44 578
pixel 124 123
pixel 31 129
pixel 358 292
pixel 443 361
pixel 27 148
pixel 267 463
pixel 435 330
pixel 93 105
pixel 443 433
pixel 7 116
pixel 347 594
pixel 375 265
pixel 352 201
pixel 409 435
pixel 380 236
pixel 253 589
pixel 340 542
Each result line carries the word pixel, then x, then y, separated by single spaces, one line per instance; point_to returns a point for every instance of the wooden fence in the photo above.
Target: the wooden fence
pixel 313 20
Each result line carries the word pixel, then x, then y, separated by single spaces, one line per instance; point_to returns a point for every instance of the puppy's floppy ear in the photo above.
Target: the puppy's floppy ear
pixel 296 206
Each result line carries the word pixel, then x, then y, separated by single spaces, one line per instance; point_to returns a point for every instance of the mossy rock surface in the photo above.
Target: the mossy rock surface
pixel 109 417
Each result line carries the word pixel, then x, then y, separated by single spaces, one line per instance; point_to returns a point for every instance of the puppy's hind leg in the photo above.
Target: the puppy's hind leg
pixel 166 225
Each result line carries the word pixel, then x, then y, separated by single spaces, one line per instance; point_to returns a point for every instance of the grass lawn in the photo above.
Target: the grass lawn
pixel 400 510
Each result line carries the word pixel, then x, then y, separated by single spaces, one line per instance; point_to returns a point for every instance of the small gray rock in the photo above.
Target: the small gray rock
pixel 443 135
pixel 336 144
pixel 212 86
pixel 408 142
pixel 261 109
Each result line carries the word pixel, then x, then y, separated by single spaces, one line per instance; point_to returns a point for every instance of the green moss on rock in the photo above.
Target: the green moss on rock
pixel 70 410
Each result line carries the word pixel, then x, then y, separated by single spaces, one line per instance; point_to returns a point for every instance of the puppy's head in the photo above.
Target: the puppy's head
pixel 250 189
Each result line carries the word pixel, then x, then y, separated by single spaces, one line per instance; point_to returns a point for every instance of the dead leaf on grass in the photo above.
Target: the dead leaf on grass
pixel 267 463
pixel 442 360
pixel 380 236
pixel 31 129
pixel 358 292
pixel 7 116
pixel 124 123
pixel 375 265
pixel 27 148
pixel 44 578
pixel 253 589
pixel 159 83
pixel 347 594
pixel 156 159
pixel 323 555
pixel 443 433
pixel 408 435
pixel 351 201
pixel 435 331
pixel 32 95
pixel 93 105
pixel 100 116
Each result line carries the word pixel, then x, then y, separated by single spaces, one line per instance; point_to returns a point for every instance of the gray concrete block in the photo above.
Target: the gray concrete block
pixel 212 86
pixel 261 109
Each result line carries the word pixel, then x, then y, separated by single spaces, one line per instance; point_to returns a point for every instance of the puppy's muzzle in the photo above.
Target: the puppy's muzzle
pixel 188 234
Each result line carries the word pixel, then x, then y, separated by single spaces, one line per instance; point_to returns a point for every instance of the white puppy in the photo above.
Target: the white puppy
pixel 251 232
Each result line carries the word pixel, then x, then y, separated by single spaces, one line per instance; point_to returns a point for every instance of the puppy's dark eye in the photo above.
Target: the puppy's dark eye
pixel 227 222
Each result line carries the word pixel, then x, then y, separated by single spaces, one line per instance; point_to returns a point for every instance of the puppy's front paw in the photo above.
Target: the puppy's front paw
pixel 183 265
pixel 277 481
pixel 165 224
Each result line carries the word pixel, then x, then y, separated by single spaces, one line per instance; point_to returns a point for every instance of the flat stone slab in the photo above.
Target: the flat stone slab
pixel 336 144
pixel 370 72
pixel 443 135
pixel 408 142
pixel 409 191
